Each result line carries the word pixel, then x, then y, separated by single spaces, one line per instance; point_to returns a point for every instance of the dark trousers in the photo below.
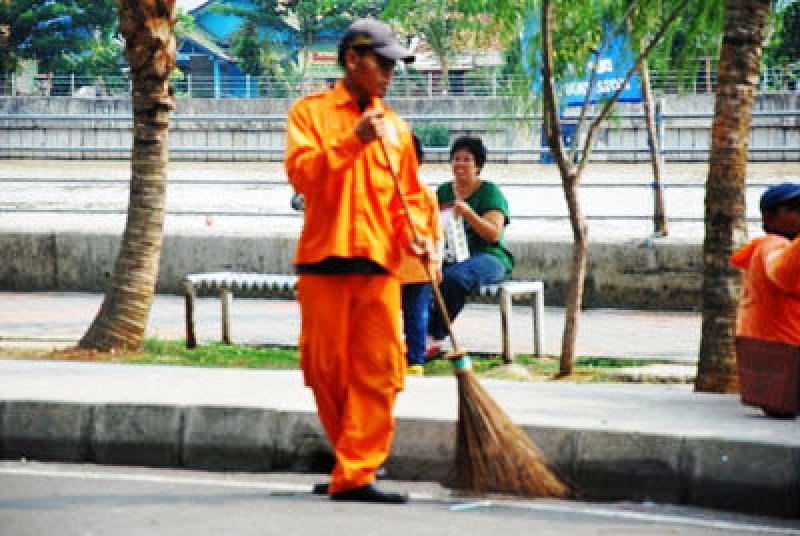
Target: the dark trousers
pixel 458 281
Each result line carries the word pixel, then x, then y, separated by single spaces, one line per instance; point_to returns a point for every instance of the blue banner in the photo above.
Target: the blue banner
pixel 613 64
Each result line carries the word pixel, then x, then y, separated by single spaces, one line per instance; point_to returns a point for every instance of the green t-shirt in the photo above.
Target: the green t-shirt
pixel 487 197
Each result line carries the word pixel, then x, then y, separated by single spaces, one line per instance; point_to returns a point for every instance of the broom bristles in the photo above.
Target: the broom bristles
pixel 494 455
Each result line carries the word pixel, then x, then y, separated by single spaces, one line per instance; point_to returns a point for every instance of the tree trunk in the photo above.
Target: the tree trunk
pixel 577 275
pixel 570 180
pixel 571 173
pixel 659 218
pixel 746 25
pixel 148 28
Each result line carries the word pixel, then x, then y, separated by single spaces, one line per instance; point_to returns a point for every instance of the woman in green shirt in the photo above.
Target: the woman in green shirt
pixel 484 210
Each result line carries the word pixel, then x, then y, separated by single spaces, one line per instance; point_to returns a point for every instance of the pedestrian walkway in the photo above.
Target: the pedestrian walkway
pixel 63 317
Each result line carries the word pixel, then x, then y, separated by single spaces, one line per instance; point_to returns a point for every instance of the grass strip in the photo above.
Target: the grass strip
pixel 214 354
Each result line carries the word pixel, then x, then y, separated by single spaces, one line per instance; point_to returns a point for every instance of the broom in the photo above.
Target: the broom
pixel 491 453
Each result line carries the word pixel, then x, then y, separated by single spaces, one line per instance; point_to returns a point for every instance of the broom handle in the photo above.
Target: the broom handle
pixel 437 293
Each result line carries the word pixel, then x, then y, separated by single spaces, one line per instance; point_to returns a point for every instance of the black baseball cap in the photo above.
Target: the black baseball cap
pixel 777 195
pixel 377 36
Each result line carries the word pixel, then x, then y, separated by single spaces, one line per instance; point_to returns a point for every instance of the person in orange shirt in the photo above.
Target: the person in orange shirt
pixel 415 279
pixel 343 147
pixel 769 307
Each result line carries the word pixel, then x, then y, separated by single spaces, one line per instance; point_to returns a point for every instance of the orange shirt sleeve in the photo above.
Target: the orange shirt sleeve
pixel 783 266
pixel 309 157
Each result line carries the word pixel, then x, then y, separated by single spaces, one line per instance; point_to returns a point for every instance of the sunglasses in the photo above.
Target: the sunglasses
pixel 385 64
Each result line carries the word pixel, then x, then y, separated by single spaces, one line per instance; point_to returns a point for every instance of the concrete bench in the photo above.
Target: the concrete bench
pixel 228 283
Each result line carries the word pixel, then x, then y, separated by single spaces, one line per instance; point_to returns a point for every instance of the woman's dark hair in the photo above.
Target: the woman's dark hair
pixel 474 146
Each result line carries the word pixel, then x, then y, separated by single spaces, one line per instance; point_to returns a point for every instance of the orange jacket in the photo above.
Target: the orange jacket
pixel 351 206
pixel 769 307
pixel 426 222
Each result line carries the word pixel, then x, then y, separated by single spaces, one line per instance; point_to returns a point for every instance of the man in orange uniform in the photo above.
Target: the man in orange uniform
pixel 354 237
pixel 769 307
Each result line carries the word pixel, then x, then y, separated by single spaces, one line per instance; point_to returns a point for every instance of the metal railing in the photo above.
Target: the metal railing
pixel 504 144
pixel 481 83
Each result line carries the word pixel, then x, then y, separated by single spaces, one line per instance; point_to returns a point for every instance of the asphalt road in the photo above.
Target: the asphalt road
pixel 42 499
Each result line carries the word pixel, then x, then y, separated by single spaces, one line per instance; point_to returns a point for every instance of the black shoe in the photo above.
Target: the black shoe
pixel 321 488
pixel 371 493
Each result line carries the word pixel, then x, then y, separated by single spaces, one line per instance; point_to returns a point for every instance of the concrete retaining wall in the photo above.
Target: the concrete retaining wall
pixel 737 475
pixel 664 275
pixel 264 139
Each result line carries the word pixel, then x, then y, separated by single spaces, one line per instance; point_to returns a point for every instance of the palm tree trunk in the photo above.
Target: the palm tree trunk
pixel 150 50
pixel 746 25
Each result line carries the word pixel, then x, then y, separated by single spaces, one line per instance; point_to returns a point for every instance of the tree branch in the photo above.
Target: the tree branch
pixel 592 81
pixel 609 104
pixel 552 123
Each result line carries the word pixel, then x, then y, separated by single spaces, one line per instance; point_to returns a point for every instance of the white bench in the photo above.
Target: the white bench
pixel 228 283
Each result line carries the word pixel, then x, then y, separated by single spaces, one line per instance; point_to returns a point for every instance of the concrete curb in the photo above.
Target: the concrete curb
pixel 747 476
pixel 664 274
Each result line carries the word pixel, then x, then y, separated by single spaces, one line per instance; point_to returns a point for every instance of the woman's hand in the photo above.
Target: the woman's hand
pixel 461 208
pixel 488 225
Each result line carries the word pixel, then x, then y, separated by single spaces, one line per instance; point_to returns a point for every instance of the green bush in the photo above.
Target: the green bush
pixel 433 135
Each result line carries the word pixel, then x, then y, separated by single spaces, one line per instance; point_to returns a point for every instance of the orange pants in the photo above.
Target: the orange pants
pixel 352 357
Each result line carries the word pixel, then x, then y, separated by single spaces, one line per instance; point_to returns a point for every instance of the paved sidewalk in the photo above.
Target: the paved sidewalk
pixel 669 336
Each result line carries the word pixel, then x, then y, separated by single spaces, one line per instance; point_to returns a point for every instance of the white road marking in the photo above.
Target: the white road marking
pixel 543 506
pixel 127 477
pixel 470 505
pixel 656 518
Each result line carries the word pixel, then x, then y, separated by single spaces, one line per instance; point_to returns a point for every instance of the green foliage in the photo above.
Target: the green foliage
pixel 579 30
pixel 72 36
pixel 697 33
pixel 784 47
pixel 251 51
pixel 285 81
pixel 446 27
pixel 184 24
pixel 432 135
pixel 311 16
pixel 316 15
pixel 263 13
